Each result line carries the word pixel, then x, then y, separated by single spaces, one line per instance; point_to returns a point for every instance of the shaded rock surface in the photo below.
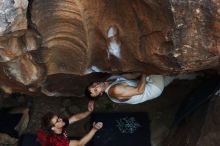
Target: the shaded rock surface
pixel 194 132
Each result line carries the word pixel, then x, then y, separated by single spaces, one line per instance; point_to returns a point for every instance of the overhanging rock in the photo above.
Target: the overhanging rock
pixel 77 38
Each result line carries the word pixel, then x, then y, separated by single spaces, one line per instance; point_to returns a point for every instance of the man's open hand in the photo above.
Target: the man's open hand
pixel 97 125
pixel 91 105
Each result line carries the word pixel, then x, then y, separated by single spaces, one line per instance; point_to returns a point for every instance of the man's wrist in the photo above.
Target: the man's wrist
pixel 94 129
pixel 89 111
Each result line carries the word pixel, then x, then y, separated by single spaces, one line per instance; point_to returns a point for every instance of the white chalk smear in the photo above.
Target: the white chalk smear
pixel 93 69
pixel 114 48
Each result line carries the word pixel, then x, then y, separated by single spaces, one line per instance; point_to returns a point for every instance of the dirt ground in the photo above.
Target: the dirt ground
pixel 161 110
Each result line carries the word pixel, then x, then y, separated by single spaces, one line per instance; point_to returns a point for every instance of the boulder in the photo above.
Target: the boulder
pixel 74 40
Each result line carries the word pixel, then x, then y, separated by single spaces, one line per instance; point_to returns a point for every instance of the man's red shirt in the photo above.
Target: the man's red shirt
pixel 52 139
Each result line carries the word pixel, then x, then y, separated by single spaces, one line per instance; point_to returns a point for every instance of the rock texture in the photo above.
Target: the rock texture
pixel 196 33
pixel 194 132
pixel 70 39
pixel 13 20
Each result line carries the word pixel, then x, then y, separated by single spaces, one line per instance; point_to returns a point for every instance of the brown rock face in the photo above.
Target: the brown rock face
pixel 196 33
pixel 68 39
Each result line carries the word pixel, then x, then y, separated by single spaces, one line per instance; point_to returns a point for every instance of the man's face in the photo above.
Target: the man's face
pixel 96 89
pixel 57 122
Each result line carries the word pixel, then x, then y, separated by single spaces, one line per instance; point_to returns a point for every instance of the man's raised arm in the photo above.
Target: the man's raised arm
pixel 125 92
pixel 82 115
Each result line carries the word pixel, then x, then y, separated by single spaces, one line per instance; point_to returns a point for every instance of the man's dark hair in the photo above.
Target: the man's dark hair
pixel 46 121
pixel 88 93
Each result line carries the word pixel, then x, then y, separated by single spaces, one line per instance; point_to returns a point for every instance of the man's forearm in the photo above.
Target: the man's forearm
pixel 79 116
pixel 141 84
pixel 83 141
